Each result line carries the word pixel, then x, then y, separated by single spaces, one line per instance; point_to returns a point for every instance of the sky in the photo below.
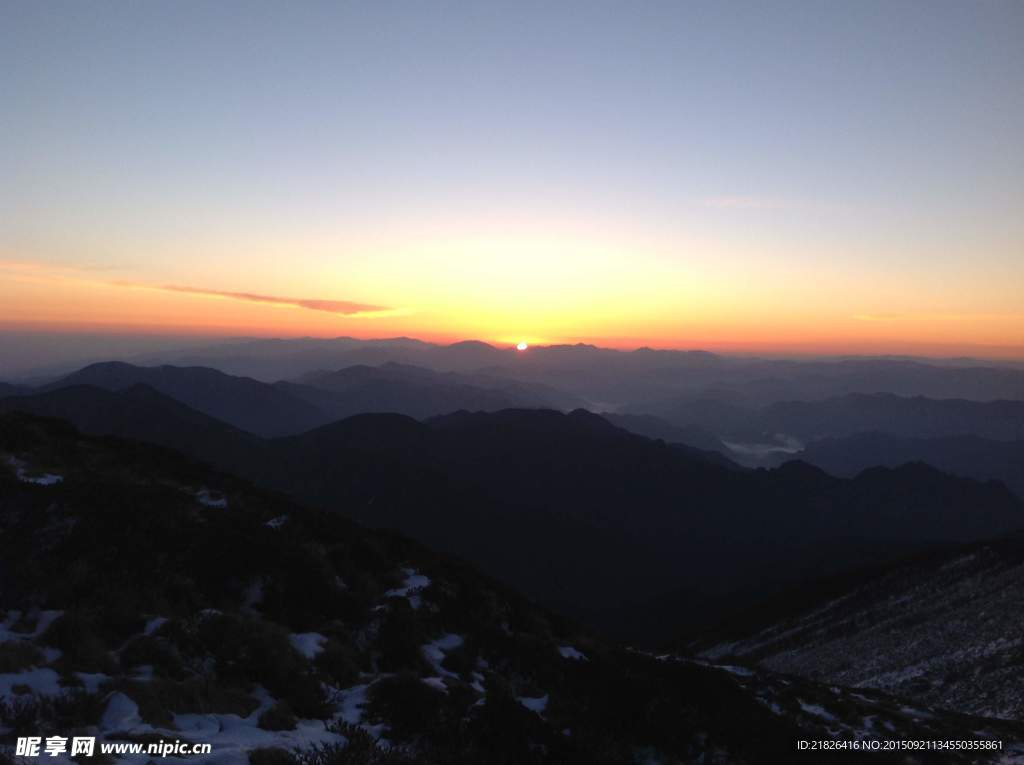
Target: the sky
pixel 802 176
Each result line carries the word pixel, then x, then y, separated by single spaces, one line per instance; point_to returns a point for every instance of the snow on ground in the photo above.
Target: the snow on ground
pixel 414 582
pixel 436 683
pixel 92 681
pixel 538 704
pixel 434 652
pixel 816 710
pixel 232 736
pixel 121 714
pixel 154 624
pixel 208 498
pixel 569 652
pixel 309 644
pixel 40 681
pixel 734 670
pixel 276 523
pixel 350 703
pixel 25 475
pixel 43 621
pixel 478 683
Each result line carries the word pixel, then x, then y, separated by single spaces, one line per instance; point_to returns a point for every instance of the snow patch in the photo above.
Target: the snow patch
pixel 41 682
pixel 25 475
pixel 535 704
pixel 309 644
pixel 435 682
pixel 233 736
pixel 43 621
pixel 816 709
pixel 121 714
pixel 92 681
pixel 434 652
pixel 154 624
pixel 208 498
pixel 414 583
pixel 569 652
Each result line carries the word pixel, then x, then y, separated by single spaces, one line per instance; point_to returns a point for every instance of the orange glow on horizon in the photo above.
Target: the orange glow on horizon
pixel 623 315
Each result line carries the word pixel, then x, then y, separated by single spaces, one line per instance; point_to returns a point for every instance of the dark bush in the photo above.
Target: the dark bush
pixel 278 717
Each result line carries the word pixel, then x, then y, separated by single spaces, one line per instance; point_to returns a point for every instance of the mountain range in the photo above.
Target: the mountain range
pixel 572 510
pixel 196 607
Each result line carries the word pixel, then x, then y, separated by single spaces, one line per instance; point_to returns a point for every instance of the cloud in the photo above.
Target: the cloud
pixel 51 272
pixel 339 307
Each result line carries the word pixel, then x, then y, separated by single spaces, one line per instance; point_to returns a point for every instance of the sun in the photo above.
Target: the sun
pixel 522 346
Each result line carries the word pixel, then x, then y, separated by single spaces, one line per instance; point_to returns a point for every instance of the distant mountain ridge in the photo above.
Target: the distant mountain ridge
pixel 971 456
pixel 854 413
pixel 572 509
pixel 243 402
pixel 620 378
pixel 287 407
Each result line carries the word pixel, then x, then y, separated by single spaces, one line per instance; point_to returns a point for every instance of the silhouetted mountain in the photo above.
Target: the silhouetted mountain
pixel 8 389
pixel 592 519
pixel 914 417
pixel 245 403
pixel 612 379
pixel 940 627
pixel 971 456
pixel 143 414
pixel 275 359
pixel 917 417
pixel 195 607
pixel 654 427
pixel 418 392
pixel 585 516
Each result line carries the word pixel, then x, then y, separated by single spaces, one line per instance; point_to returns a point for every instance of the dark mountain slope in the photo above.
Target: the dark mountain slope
pixel 418 392
pixel 586 515
pixel 251 622
pixel 941 627
pixel 583 515
pixel 143 414
pixel 7 389
pixel 653 427
pixel 240 401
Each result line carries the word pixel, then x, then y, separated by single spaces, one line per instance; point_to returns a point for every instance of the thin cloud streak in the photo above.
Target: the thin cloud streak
pixel 46 272
pixel 339 307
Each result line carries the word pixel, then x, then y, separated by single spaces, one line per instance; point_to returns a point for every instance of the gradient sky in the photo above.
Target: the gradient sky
pixel 826 176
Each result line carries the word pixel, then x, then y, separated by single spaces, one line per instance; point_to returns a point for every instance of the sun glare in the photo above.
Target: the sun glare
pixel 521 346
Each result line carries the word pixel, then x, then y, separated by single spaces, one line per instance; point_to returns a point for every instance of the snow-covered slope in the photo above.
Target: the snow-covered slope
pixel 944 629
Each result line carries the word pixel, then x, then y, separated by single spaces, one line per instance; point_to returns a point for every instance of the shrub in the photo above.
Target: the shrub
pixel 340 662
pixel 157 652
pixel 409 706
pixel 80 641
pixel 16 655
pixel 278 717
pixel 400 640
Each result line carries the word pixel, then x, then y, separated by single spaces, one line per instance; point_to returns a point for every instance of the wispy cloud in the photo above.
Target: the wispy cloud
pixel 50 272
pixel 339 307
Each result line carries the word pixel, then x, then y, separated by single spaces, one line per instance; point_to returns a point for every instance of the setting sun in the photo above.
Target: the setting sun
pixel 522 346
